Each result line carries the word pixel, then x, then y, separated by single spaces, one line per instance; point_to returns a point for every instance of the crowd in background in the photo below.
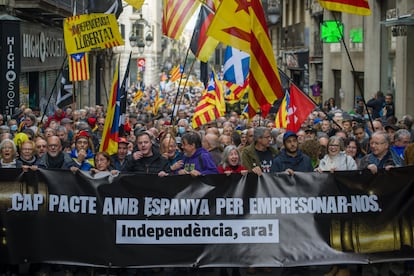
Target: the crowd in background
pixel 329 140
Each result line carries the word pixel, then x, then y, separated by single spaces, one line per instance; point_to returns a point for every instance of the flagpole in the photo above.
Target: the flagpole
pixel 179 83
pixel 53 89
pixel 353 69
pixel 324 112
pixel 186 81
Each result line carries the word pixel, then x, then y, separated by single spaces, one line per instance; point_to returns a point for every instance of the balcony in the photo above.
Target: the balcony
pixel 50 12
pixel 272 10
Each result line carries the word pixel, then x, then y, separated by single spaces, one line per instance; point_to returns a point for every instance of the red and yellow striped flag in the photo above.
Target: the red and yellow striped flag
pixel 211 105
pixel 79 67
pixel 176 14
pixel 359 7
pixel 242 25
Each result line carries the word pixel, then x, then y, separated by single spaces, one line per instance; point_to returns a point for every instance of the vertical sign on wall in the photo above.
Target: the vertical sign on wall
pixel 9 65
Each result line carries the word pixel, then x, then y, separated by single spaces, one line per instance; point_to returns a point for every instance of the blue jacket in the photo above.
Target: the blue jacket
pixel 301 162
pixel 201 161
pixel 87 164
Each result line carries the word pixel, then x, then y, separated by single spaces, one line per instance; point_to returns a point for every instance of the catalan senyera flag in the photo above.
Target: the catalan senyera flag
pixel 211 105
pixel 175 15
pixel 358 7
pixel 242 24
pixel 175 73
pixel 110 134
pixel 201 44
pixel 79 67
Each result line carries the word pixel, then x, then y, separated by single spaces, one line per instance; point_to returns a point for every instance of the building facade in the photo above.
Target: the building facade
pixel 375 56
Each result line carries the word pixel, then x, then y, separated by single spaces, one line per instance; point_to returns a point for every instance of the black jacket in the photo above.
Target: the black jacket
pixel 301 162
pixel 148 165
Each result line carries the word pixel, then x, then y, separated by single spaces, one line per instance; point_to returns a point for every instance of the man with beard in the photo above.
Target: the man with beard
pixel 147 159
pixel 55 158
pixel 291 158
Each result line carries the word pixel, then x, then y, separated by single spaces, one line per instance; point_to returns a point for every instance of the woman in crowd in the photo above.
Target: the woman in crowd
pixel 103 165
pixel 353 149
pixel 8 152
pixel 231 161
pixel 28 155
pixel 169 149
pixel 336 159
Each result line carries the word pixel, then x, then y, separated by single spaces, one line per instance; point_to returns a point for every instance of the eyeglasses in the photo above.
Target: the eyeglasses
pixel 101 124
pixel 41 146
pixel 333 145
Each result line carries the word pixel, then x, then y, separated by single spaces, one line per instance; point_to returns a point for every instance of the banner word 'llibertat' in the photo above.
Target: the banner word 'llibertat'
pixel 91 31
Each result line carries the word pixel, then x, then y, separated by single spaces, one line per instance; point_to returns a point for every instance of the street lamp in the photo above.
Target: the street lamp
pixel 136 38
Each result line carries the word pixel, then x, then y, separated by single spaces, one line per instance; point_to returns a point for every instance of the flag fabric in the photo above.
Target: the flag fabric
pixel 175 73
pixel 158 102
pixel 138 95
pixel 358 7
pixel 123 101
pixel 282 113
pixel 79 67
pixel 236 65
pixel 175 15
pixel 211 105
pixel 299 106
pixel 110 134
pixel 65 94
pixel 137 4
pixel 201 44
pixel 245 112
pixel 105 6
pixel 235 92
pixel 242 24
pixel 231 24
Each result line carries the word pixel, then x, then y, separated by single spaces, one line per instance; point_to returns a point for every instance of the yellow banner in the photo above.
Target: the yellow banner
pixel 91 31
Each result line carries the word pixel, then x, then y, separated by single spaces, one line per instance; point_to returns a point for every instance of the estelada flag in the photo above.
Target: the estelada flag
pixel 359 7
pixel 242 24
pixel 78 67
pixel 110 134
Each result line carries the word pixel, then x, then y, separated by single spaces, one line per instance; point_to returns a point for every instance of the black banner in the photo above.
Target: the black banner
pixel 9 65
pixel 216 220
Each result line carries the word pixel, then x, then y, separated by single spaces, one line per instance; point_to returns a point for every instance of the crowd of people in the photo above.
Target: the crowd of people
pixel 329 140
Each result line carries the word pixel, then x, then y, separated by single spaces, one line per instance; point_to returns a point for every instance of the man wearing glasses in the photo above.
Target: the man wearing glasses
pixel 381 157
pixel 258 156
pixel 55 158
